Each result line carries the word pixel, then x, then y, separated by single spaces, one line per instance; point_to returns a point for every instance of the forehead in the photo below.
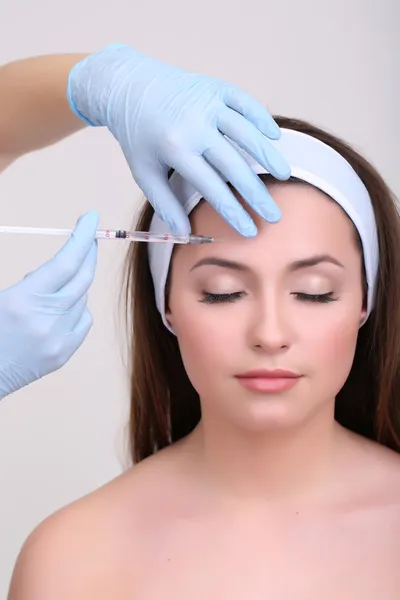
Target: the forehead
pixel 311 224
pixel 310 220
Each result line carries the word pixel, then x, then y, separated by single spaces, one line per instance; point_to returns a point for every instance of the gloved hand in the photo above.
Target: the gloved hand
pixel 163 117
pixel 44 318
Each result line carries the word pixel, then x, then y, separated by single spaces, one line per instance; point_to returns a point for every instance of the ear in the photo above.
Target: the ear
pixel 168 316
pixel 363 313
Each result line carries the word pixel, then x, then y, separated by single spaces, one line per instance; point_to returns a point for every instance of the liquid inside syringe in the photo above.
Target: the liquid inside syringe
pixel 148 236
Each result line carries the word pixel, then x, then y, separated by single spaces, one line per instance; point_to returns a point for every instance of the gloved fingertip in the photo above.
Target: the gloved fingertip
pixel 267 125
pixel 268 209
pixel 274 217
pixel 283 173
pixel 89 219
pixel 93 215
pixel 248 229
pixel 275 135
pixel 274 131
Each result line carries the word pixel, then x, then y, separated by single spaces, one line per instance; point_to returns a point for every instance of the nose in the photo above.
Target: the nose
pixel 269 327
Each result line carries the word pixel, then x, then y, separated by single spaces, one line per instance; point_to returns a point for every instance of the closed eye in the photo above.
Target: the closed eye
pixel 210 298
pixel 315 297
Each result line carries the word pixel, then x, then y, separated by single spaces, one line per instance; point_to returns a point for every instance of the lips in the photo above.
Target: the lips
pixel 265 374
pixel 266 381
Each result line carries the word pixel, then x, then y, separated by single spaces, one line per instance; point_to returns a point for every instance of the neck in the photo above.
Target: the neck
pixel 277 464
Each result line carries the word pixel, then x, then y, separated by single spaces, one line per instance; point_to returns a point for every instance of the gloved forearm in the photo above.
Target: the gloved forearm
pixel 34 108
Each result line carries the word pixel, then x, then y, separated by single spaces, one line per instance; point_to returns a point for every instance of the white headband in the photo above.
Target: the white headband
pixel 311 161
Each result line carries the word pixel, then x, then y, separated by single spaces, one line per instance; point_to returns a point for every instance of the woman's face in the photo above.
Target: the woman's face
pixel 291 298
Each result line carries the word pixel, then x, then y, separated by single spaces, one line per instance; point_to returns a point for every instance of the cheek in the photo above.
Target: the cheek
pixel 202 354
pixel 332 349
pixel 204 339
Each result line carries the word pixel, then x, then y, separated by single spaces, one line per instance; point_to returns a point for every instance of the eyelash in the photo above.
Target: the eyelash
pixel 210 298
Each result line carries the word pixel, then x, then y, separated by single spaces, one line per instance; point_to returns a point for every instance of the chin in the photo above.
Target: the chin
pixel 270 414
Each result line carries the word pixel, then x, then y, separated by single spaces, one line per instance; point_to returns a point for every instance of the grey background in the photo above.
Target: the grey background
pixel 335 63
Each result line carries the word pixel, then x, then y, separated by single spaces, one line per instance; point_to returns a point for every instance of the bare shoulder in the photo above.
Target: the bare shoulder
pixel 90 547
pixel 5 161
pixel 376 470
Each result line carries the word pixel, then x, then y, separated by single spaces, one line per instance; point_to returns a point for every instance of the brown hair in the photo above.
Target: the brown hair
pixel 164 405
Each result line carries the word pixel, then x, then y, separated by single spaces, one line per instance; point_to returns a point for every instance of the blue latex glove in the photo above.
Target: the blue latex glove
pixel 44 318
pixel 163 117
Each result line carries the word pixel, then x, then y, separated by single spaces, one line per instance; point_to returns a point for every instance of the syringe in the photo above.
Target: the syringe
pixel 120 234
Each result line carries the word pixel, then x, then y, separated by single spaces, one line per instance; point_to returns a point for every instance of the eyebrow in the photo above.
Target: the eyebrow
pixel 304 263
